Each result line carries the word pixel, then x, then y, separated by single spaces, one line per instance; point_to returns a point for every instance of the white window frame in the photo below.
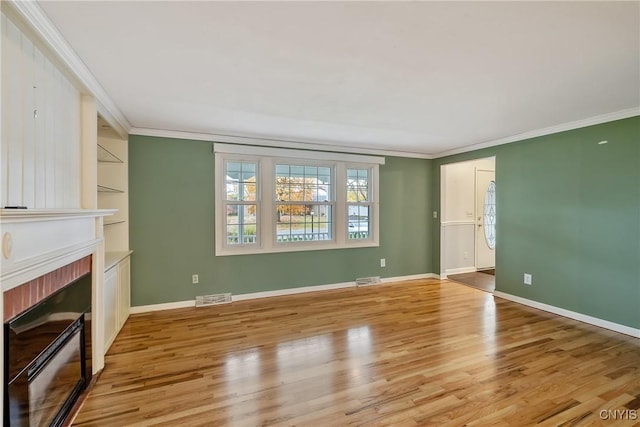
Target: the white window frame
pixel 331 203
pixel 372 188
pixel 266 158
pixel 226 203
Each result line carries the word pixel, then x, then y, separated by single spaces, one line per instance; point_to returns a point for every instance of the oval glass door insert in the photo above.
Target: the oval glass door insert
pixel 490 215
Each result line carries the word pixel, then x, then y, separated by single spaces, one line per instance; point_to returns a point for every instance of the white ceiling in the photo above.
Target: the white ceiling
pixel 422 77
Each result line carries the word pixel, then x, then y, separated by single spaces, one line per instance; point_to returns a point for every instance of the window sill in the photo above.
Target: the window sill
pixel 298 247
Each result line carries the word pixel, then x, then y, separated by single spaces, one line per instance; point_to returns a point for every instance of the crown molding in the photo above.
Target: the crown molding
pixel 318 146
pixel 41 25
pixel 604 118
pixel 276 143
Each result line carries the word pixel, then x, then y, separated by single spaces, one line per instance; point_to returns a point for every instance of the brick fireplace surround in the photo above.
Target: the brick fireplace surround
pixel 20 298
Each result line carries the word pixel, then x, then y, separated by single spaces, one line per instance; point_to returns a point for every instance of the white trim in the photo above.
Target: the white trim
pixel 604 118
pixel 267 238
pixel 26 215
pixel 460 270
pixel 159 307
pixel 278 248
pixel 276 293
pixel 32 268
pixel 323 146
pixel 276 143
pixel 409 277
pixel 40 23
pixel 37 241
pixel 450 223
pixel 627 330
pixel 292 291
pixel 443 212
pixel 295 154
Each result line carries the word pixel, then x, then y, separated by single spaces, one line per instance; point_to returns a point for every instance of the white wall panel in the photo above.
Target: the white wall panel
pixel 74 111
pixel 49 135
pixel 58 135
pixel 459 205
pixel 40 134
pixel 4 136
pixel 12 103
pixel 40 155
pixel 460 245
pixel 29 123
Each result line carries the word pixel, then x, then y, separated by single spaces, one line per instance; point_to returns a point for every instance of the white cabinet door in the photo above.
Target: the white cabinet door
pixel 110 306
pixel 124 291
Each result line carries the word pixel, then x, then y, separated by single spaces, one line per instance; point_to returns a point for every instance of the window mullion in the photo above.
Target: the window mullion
pixel 267 203
pixel 374 221
pixel 340 203
pixel 221 205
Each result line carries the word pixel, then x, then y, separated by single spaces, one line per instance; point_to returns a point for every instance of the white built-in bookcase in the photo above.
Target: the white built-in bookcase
pixel 112 191
pixel 57 158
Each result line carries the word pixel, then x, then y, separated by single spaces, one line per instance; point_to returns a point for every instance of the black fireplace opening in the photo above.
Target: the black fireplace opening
pixel 48 357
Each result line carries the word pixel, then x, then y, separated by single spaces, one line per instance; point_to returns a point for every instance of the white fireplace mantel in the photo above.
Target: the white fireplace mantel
pixel 37 241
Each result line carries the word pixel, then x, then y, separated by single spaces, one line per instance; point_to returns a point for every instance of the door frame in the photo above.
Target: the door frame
pixel 442 211
pixel 476 229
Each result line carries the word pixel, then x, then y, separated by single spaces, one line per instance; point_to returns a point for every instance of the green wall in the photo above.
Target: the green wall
pixel 568 213
pixel 171 190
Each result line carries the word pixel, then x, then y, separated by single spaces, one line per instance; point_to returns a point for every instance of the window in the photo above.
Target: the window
pixel 358 203
pixel 277 200
pixel 304 206
pixel 241 210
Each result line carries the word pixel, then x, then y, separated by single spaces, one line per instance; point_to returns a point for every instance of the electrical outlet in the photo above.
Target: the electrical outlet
pixel 465 255
pixel 528 278
pixel 383 262
pixel 435 214
pixel 195 279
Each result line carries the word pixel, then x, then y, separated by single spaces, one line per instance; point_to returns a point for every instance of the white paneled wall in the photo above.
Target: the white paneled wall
pixel 40 128
pixel 460 247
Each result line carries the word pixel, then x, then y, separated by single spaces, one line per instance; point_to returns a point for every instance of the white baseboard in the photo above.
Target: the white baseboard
pixel 291 291
pixel 158 307
pixel 460 270
pixel 279 292
pixel 627 330
pixel 410 277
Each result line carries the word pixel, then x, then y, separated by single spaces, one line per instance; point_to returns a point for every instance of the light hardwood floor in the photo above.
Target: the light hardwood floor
pixel 484 282
pixel 423 352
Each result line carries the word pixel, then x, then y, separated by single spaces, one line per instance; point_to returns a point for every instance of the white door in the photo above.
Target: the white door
pixel 485 219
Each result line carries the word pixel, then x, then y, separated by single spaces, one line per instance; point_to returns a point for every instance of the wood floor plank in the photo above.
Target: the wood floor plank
pixel 423 352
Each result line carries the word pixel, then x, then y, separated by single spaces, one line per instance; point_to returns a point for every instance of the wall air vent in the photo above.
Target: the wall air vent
pixel 206 300
pixel 364 281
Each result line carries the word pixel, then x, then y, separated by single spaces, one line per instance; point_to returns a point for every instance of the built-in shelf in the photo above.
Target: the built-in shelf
pixel 112 170
pixel 105 189
pixel 106 156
